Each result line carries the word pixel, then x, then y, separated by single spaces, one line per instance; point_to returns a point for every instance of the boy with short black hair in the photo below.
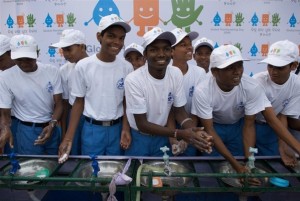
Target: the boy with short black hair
pixel 72 42
pixel 151 91
pixel 99 90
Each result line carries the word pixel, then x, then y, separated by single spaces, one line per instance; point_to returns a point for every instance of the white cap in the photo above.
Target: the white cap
pixel 204 42
pixel 180 34
pixel 4 44
pixel 70 37
pixel 113 19
pixel 225 55
pixel 282 53
pixel 133 47
pixel 23 46
pixel 158 33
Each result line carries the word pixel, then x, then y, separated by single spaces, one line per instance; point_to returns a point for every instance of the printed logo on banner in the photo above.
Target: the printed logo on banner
pixel 254 50
pixel 103 8
pixel 60 20
pixel 264 50
pixel 31 21
pixel 239 19
pixel 230 19
pixel 71 19
pixel 254 19
pixel 217 19
pixel 293 21
pixel 20 21
pixel 10 22
pixel 49 21
pixel 275 19
pixel 267 20
pixel 184 14
pixel 145 15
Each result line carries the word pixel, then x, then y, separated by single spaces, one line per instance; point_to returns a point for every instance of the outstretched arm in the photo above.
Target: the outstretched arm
pixel 5 135
pixel 66 144
pixel 281 131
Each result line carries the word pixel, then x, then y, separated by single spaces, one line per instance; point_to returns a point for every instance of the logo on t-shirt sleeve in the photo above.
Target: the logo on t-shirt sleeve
pixel 120 83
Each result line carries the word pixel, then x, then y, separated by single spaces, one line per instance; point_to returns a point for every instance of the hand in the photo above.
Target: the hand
pixel 178 147
pixel 44 136
pixel 6 136
pixel 64 150
pixel 200 139
pixel 125 139
pixel 288 156
pixel 250 180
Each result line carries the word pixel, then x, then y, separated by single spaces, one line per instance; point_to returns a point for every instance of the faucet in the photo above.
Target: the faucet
pixel 167 168
pixel 15 163
pixel 95 165
pixel 251 158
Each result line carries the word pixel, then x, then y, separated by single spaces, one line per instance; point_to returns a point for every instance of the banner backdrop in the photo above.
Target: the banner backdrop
pixel 251 25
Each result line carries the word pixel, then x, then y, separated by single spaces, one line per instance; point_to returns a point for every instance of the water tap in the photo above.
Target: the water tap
pixel 95 165
pixel 14 163
pixel 251 158
pixel 167 168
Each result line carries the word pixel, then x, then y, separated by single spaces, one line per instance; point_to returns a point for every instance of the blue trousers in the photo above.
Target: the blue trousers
pixel 146 145
pixel 26 135
pixel 101 140
pixel 266 140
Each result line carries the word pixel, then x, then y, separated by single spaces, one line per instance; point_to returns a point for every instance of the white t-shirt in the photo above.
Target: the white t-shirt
pixel 191 79
pixel 102 86
pixel 67 74
pixel 30 94
pixel 284 98
pixel 210 102
pixel 145 94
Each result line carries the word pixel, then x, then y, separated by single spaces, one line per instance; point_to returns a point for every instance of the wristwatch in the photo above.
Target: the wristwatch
pixel 53 123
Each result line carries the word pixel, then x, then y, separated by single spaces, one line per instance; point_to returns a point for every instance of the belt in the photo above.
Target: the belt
pixel 103 123
pixel 34 124
pixel 13 117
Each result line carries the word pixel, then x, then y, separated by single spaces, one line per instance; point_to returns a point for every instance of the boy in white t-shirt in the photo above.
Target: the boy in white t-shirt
pixel 134 54
pixel 182 52
pixel 150 92
pixel 99 90
pixel 5 63
pixel 282 88
pixel 227 104
pixel 72 43
pixel 34 91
